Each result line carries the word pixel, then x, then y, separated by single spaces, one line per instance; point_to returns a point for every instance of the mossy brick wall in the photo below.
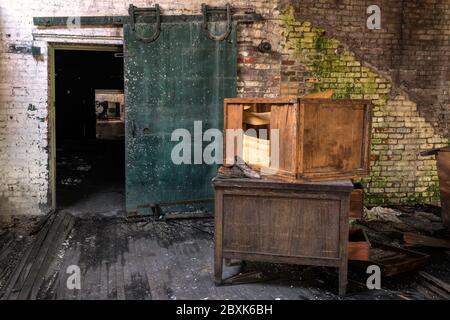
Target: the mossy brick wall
pixel 413 45
pixel 313 61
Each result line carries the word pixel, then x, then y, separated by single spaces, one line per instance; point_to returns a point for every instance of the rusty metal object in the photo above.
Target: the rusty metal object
pixel 443 163
pixel 135 10
pixel 207 10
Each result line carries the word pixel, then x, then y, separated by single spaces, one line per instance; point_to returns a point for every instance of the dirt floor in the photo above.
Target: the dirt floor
pixel 146 258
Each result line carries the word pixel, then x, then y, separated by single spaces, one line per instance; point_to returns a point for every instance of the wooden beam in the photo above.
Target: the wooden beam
pixel 412 239
pixel 440 283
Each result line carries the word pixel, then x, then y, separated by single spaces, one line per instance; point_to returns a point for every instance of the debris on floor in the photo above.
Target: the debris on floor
pixel 413 239
pixel 239 169
pixel 71 182
pixel 395 260
pixel 16 235
pixel 28 276
pixel 147 258
pixel 382 214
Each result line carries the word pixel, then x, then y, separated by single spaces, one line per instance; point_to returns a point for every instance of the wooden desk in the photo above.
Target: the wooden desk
pixel 282 222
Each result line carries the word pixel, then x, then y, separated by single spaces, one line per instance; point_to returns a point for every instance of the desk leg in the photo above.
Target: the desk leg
pixel 342 280
pixel 218 266
pixel 218 237
pixel 343 244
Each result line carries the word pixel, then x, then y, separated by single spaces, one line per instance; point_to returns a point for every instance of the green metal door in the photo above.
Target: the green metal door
pixel 181 77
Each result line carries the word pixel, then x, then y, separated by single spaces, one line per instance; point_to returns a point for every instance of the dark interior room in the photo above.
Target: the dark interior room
pixel 90 155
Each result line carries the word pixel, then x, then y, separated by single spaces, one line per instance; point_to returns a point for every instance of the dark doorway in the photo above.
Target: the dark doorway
pixel 89 113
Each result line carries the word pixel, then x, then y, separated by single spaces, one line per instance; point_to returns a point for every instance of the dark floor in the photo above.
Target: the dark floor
pixel 91 177
pixel 145 258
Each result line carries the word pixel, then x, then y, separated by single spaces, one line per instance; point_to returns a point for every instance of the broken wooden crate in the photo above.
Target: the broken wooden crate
pixel 393 260
pixel 318 139
pixel 358 245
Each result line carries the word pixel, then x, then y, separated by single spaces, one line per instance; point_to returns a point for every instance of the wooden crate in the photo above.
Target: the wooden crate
pixel 357 204
pixel 393 260
pixel 282 222
pixel 319 139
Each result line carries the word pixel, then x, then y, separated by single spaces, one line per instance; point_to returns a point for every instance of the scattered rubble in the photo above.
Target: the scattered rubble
pixel 382 214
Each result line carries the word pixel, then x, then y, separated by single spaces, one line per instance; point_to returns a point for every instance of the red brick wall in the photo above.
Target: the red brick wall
pixel 412 46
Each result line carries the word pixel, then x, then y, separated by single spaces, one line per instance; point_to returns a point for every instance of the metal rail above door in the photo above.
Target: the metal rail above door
pixel 239 15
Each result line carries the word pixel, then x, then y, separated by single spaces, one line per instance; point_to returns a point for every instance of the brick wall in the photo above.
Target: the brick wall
pixel 342 54
pixel 402 68
pixel 412 46
pixel 424 59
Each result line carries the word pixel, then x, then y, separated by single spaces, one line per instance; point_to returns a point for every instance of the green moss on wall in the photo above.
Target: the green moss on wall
pixel 334 67
pixel 331 66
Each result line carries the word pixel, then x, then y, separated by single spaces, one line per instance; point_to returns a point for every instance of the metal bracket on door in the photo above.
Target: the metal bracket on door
pixel 132 11
pixel 207 10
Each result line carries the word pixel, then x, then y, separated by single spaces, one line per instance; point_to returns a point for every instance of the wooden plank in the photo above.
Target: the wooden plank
pixel 127 264
pixel 188 215
pixel 358 245
pixel 343 244
pixel 141 282
pixel 285 120
pixel 277 100
pixel 301 260
pixel 301 137
pixel 156 265
pixel 53 246
pixel 334 137
pixel 394 260
pixel 7 242
pixel 71 257
pixel 120 280
pixel 233 119
pixel 438 282
pixel 413 239
pixel 244 184
pixel 436 290
pixel 16 281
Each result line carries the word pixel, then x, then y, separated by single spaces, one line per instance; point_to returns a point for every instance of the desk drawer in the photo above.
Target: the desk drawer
pixel 279 225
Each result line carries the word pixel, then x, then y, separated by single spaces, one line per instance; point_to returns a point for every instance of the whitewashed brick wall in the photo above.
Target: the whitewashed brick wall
pixel 24 136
